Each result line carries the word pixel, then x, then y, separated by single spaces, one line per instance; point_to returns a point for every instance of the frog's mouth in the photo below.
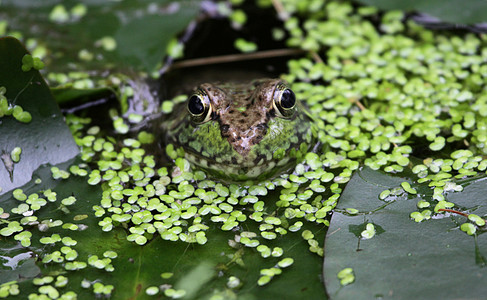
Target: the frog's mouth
pixel 262 167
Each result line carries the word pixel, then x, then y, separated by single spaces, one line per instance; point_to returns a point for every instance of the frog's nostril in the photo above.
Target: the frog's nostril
pixel 225 128
pixel 262 126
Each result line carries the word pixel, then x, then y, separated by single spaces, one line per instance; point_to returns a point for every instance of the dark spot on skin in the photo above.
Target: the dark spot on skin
pixel 259 158
pixel 256 139
pixel 238 148
pixel 241 121
pixel 245 114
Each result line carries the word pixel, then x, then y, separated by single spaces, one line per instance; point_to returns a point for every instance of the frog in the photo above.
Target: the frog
pixel 242 130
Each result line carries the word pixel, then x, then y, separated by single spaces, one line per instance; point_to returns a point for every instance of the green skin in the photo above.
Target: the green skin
pixel 245 136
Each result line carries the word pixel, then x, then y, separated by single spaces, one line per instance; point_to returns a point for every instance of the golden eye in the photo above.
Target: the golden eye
pixel 284 101
pixel 199 107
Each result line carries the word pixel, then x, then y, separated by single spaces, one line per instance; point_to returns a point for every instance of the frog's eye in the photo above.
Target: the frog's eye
pixel 199 107
pixel 284 101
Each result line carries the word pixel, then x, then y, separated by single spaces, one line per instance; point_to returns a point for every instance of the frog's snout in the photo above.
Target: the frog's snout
pixel 243 140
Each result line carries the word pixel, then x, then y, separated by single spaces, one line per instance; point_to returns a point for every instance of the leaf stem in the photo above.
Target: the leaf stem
pixel 235 57
pixel 454 211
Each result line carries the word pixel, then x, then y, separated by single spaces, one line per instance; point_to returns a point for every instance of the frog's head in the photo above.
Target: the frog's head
pixel 243 130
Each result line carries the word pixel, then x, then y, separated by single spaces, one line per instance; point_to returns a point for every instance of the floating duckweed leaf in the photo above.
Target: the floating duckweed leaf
pixel 407 187
pixel 476 219
pixel 245 46
pixel 24 238
pixel 61 281
pixel 166 275
pixel 15 154
pixel 286 262
pixel 67 241
pixel 11 228
pixel 346 276
pixel 469 228
pixel 369 231
pixel 19 195
pixel 152 290
pixel 110 254
pixel 263 280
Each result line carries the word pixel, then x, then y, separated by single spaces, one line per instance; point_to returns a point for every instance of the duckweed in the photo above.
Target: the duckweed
pixel 61 281
pixel 407 188
pixel 24 237
pixel 346 276
pixel 29 62
pixel 101 289
pixel 11 228
pixel 468 228
pixel 68 201
pixel 244 45
pixel 369 231
pixel 59 174
pixel 19 195
pixel 263 280
pixel 286 262
pixel 152 290
pixel 15 154
pixel 476 219
pixel 174 294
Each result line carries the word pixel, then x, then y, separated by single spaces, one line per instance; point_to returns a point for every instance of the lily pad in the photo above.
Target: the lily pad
pixel 70 95
pixel 101 35
pixel 405 259
pixel 45 139
pixel 445 10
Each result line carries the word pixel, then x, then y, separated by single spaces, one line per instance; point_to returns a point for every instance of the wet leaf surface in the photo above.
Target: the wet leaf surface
pixel 448 11
pixel 97 35
pixel 44 140
pixel 405 259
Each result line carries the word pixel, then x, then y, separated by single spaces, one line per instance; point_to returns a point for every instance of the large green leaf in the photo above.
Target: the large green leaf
pixel 473 11
pixel 44 140
pixel 141 29
pixel 433 259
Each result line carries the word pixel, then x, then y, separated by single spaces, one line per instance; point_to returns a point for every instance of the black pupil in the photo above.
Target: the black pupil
pixel 288 99
pixel 195 105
